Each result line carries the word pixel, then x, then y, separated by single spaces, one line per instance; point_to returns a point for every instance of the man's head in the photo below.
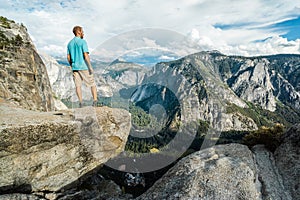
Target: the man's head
pixel 78 31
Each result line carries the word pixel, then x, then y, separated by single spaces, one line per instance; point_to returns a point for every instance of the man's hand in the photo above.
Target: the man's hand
pixel 91 71
pixel 88 62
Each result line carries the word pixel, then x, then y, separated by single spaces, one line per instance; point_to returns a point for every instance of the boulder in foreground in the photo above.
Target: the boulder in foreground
pixel 50 151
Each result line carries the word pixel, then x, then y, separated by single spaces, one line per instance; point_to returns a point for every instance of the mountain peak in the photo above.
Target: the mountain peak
pixel 118 60
pixel 214 52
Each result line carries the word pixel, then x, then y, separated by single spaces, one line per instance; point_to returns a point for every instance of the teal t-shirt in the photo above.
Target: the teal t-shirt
pixel 76 48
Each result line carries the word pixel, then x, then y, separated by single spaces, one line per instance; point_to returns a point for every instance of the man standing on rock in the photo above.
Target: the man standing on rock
pixel 79 60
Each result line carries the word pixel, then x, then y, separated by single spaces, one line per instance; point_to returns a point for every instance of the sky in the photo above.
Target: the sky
pixel 233 27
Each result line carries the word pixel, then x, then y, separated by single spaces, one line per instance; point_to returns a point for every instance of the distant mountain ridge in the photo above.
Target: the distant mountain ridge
pixel 282 71
pixel 231 92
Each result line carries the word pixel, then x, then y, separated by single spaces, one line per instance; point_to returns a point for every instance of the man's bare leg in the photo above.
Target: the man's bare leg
pixel 79 94
pixel 94 93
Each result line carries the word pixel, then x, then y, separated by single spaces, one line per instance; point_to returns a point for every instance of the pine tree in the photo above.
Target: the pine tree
pixel 18 41
pixel 4 41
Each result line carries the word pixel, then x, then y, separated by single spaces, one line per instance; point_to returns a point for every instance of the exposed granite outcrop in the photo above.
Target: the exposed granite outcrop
pixel 220 172
pixel 272 186
pixel 287 157
pixel 51 151
pixel 232 171
pixel 23 75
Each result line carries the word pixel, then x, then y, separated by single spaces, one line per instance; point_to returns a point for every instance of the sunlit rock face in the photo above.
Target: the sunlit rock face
pixel 50 151
pixel 23 75
pixel 228 92
pixel 233 172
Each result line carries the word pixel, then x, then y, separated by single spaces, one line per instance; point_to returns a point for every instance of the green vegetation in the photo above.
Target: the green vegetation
pixel 142 120
pixel 114 74
pixel 138 116
pixel 13 43
pixel 9 43
pixel 269 136
pixel 288 115
pixel 3 55
pixel 4 22
pixel 260 116
pixel 17 41
pixel 104 101
pixel 141 146
pixel 232 136
pixel 202 129
pixel 67 102
pixel 4 41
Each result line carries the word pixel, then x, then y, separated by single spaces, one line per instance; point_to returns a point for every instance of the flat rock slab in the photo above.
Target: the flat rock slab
pixel 50 151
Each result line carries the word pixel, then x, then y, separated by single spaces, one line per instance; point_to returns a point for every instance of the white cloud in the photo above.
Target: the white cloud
pixel 54 49
pixel 247 45
pixel 50 23
pixel 165 57
pixel 194 34
pixel 274 45
pixel 150 43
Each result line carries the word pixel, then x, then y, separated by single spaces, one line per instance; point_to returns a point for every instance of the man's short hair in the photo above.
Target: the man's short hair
pixel 76 29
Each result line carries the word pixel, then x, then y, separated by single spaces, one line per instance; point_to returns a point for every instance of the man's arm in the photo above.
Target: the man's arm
pixel 69 59
pixel 88 61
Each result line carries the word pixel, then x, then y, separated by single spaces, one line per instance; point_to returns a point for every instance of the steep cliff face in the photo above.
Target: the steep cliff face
pixel 252 82
pixel 263 80
pixel 60 77
pixel 119 75
pixel 228 92
pixel 128 74
pixel 201 93
pixel 24 79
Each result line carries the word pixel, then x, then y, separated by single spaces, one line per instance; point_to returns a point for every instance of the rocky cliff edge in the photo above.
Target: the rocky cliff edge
pixel 51 151
pixel 234 171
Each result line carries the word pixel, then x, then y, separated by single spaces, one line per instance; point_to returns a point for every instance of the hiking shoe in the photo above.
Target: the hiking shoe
pixel 80 105
pixel 95 103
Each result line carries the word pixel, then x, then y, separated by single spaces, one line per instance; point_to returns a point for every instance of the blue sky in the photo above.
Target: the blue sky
pixel 234 27
pixel 291 27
